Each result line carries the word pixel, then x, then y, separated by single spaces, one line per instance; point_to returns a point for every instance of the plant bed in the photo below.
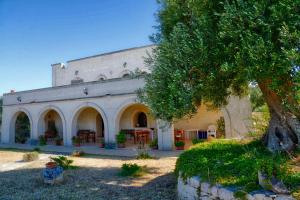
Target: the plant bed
pixel 236 163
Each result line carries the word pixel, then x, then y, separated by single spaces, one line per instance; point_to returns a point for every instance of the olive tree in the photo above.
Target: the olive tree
pixel 209 50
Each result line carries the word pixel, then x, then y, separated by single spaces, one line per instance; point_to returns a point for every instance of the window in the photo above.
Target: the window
pixel 126 76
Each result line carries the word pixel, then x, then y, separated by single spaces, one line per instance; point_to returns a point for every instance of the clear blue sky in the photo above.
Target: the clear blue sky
pixel 37 33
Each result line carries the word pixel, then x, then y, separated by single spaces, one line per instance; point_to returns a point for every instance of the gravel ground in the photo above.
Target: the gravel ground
pixel 96 178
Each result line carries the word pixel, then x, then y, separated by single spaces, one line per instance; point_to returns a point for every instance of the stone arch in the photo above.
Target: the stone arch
pixel 43 112
pixel 83 106
pixel 12 127
pixel 123 106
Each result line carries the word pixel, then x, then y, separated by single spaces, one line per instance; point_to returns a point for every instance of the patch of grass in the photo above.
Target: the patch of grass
pixel 64 162
pixel 143 156
pixel 240 194
pixel 37 149
pixel 236 163
pixel 31 156
pixel 133 170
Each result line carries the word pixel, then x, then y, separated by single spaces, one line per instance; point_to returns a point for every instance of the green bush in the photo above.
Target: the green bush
pixel 144 155
pixel 31 156
pixel 42 140
pixel 132 170
pixel 154 143
pixel 236 163
pixel 121 137
pixel 37 149
pixel 221 127
pixel 196 140
pixel 64 162
pixel 179 144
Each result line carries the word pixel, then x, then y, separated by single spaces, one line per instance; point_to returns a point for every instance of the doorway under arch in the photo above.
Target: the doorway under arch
pixel 88 126
pixel 22 128
pixel 136 122
pixel 51 126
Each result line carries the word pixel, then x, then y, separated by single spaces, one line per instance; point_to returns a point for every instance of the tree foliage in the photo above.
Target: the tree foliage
pixel 209 50
pixel 1 103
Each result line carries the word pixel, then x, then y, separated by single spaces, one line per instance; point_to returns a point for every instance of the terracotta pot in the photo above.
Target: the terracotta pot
pixel 101 145
pixel 180 148
pixel 51 165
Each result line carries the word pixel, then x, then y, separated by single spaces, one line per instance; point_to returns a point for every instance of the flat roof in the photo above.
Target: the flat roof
pixel 108 53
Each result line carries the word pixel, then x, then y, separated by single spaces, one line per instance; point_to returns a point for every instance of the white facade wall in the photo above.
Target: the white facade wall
pixel 106 66
pixel 110 98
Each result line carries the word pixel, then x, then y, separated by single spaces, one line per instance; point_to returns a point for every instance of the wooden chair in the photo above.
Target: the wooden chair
pixel 212 131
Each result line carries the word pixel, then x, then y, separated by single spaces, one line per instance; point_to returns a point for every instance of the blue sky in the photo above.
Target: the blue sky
pixel 37 33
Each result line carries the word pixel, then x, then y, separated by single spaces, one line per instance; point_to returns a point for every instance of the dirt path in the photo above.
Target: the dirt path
pixel 97 178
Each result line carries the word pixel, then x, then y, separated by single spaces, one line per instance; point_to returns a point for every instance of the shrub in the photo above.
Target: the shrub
pixel 78 153
pixel 121 138
pixel 221 127
pixel 144 155
pixel 196 140
pixel 236 163
pixel 37 149
pixel 31 156
pixel 75 140
pixel 64 162
pixel 132 170
pixel 179 144
pixel 42 140
pixel 154 143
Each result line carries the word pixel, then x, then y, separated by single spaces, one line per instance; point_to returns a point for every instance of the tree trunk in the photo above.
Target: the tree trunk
pixel 283 133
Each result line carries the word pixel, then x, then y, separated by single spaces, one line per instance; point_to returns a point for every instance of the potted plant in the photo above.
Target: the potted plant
pixel 101 143
pixel 58 141
pixel 42 140
pixel 76 141
pixel 179 145
pixel 121 139
pixel 154 144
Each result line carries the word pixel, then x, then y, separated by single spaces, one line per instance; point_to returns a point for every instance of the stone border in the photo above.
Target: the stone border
pixel 193 189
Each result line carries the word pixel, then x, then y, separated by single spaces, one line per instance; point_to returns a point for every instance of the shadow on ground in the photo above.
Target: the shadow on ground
pixel 85 183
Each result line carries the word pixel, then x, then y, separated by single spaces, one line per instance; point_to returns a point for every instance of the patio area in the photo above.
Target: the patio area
pixel 124 152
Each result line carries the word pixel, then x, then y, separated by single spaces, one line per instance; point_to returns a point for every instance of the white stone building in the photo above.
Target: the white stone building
pixel 98 94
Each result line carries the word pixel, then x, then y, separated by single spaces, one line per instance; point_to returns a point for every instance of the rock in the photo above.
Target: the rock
pixel 194 181
pixel 226 194
pixel 272 184
pixel 284 197
pixel 214 191
pixel 205 188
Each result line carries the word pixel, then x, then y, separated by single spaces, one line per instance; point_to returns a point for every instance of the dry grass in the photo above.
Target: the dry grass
pixel 97 178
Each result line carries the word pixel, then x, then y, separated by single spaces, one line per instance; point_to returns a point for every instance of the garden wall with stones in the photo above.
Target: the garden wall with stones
pixel 194 189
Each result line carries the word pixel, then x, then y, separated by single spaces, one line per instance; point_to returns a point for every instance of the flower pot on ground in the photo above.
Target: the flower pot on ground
pixel 179 145
pixel 154 144
pixel 121 139
pixel 76 141
pixel 101 143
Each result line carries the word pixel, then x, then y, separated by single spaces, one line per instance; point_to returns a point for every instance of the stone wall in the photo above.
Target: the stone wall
pixel 104 66
pixel 193 189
